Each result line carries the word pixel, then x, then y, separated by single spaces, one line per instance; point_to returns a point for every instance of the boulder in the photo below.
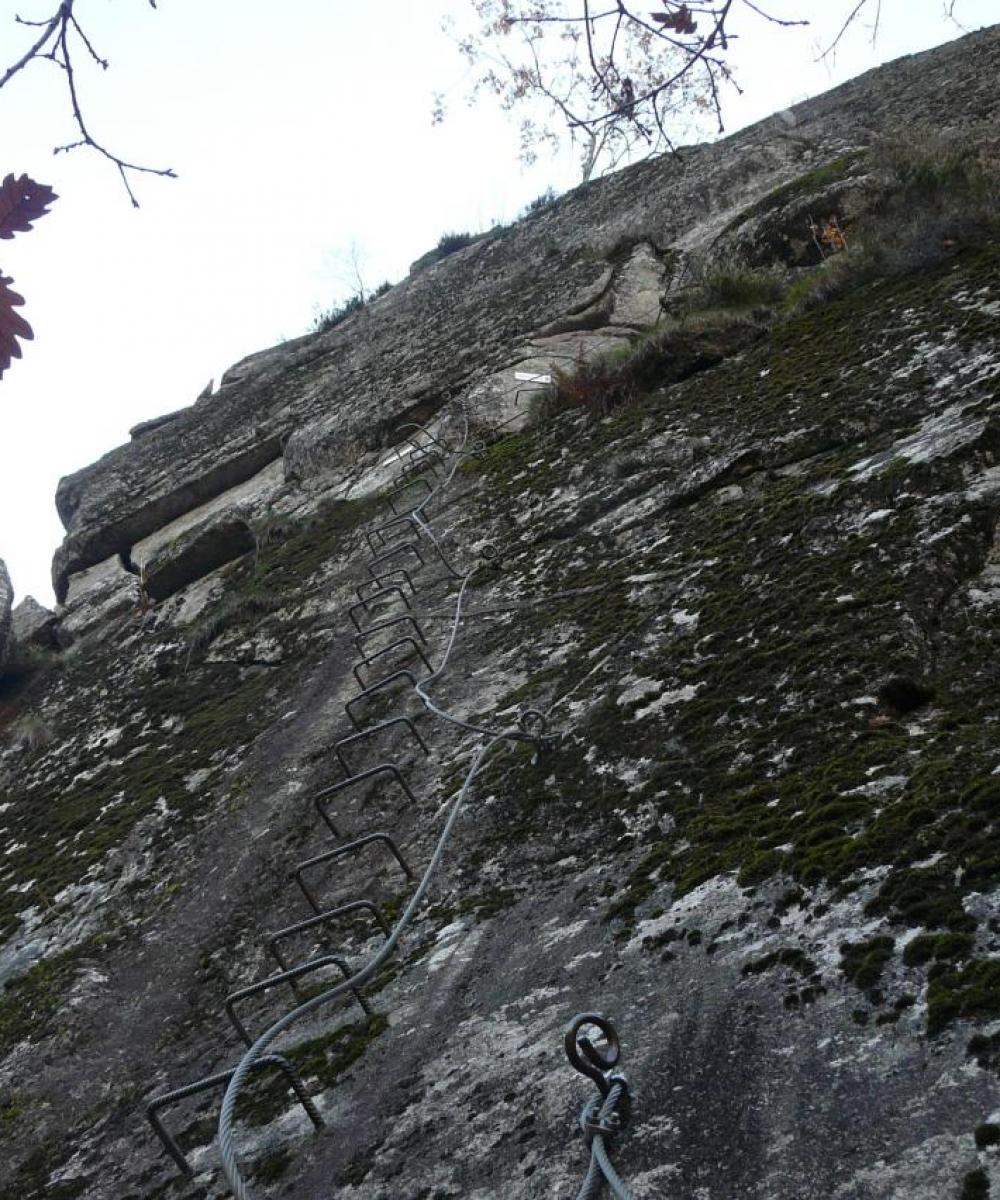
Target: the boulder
pixel 154 423
pixel 468 316
pixel 6 602
pixel 196 553
pixel 34 625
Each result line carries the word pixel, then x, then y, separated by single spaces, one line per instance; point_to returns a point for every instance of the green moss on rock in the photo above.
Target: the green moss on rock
pixel 970 992
pixel 863 962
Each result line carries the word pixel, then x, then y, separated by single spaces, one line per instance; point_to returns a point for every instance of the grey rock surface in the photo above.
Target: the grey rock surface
pixel 782 886
pixel 32 624
pixel 6 602
pixel 465 317
pixel 144 427
pixel 196 554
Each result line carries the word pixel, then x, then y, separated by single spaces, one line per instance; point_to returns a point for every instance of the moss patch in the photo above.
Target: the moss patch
pixel 327 1057
pixel 970 992
pixel 975 1185
pixel 30 1004
pixel 862 962
pixel 802 607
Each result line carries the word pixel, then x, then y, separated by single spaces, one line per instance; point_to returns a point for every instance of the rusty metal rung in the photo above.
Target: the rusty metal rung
pixel 409 483
pixel 338 852
pixel 320 798
pixel 422 429
pixel 217 1081
pixel 367 660
pixel 398 548
pixel 379 530
pixel 289 976
pixel 338 747
pixel 323 918
pixel 376 582
pixel 421 461
pixel 374 600
pixel 367 692
pixel 387 624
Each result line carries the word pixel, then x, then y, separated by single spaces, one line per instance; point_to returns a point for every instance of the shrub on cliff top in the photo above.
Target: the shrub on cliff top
pixel 449 243
pixel 334 316
pixel 340 312
pixel 932 195
pixel 936 193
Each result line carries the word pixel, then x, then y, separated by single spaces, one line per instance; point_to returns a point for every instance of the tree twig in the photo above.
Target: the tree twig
pixel 852 16
pixel 53 45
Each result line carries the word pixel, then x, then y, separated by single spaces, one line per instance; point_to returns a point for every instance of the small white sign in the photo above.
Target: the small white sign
pixel 529 377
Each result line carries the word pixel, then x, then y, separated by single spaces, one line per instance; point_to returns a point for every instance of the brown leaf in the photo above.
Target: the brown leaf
pixel 12 325
pixel 21 202
pixel 680 21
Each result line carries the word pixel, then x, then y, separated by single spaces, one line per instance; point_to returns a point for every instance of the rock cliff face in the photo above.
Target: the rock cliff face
pixel 748 568
pixel 6 602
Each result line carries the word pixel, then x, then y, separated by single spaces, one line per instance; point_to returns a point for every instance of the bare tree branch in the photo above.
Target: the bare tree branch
pixel 616 69
pixel 852 16
pixel 36 50
pixel 53 45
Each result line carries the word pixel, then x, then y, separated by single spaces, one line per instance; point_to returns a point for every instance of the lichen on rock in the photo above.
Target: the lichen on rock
pixel 744 561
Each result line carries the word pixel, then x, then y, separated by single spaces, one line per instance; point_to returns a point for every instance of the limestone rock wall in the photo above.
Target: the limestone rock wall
pixel 758 605
pixel 6 603
pixel 597 263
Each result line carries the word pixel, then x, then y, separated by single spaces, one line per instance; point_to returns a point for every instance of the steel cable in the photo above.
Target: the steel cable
pixel 603 1116
pixel 601 1169
pixel 519 735
pixel 227 1148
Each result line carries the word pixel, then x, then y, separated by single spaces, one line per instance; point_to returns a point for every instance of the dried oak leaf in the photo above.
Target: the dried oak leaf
pixel 680 21
pixel 22 201
pixel 12 325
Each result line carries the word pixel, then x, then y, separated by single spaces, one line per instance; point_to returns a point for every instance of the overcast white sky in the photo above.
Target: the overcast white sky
pixel 297 131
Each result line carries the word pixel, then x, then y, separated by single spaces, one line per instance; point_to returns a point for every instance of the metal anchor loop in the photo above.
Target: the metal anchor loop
pixel 585 1057
pixel 489 552
pixel 533 721
pixel 592 1123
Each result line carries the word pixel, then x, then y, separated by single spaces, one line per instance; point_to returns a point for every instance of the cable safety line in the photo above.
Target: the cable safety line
pixel 355 982
pixel 227 1150
pixel 603 1116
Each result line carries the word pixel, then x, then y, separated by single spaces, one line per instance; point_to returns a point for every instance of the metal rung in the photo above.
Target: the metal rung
pixel 338 852
pixel 409 483
pixel 415 447
pixel 338 748
pixel 217 1081
pixel 384 769
pixel 321 919
pixel 378 530
pixel 367 692
pixel 416 474
pixel 420 528
pixel 374 600
pixel 412 441
pixel 255 989
pixel 422 429
pixel 398 548
pixel 420 460
pixel 427 454
pixel 367 660
pixel 376 582
pixel 387 624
